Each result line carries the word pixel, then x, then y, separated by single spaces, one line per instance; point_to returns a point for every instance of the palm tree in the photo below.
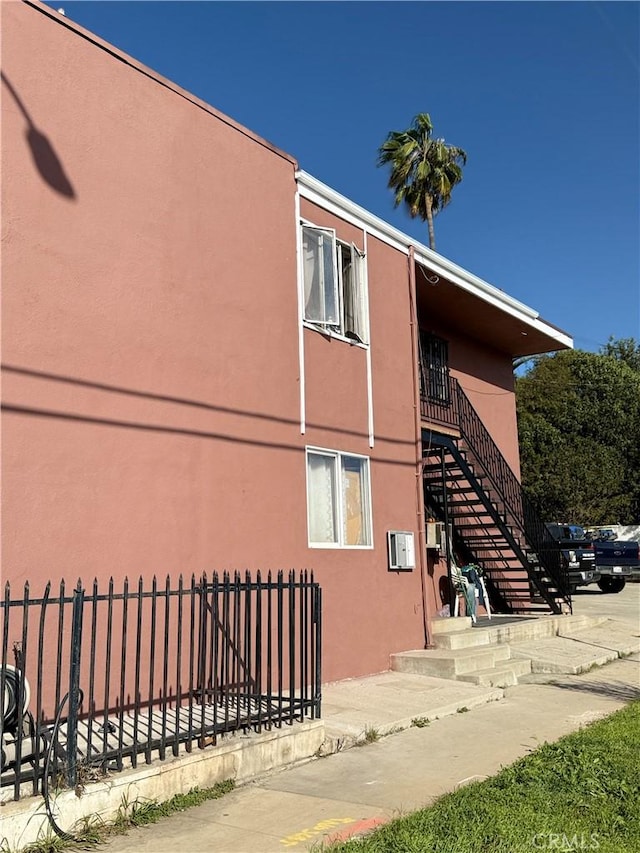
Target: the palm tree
pixel 423 170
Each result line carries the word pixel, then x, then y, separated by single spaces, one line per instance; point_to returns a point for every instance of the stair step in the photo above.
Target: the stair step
pixel 500 676
pixel 462 516
pixel 473 638
pixel 448 663
pixel 480 540
pixel 449 625
pixel 468 503
pixel 496 547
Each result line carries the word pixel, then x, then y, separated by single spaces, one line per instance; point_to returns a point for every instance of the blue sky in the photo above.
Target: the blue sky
pixel 543 96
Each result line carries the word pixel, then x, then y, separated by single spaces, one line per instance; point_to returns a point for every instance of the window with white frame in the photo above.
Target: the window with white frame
pixel 335 290
pixel 338 499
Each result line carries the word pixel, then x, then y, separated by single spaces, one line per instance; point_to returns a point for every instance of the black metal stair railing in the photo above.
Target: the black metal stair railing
pixel 491 529
pixel 520 513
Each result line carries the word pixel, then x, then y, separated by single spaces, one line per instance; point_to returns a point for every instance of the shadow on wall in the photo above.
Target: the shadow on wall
pixel 44 156
pixel 181 430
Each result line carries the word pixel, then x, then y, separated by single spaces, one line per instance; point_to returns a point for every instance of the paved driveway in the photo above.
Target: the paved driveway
pixel 623 606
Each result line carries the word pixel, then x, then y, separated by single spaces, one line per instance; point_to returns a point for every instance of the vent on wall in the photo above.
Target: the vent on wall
pixel 435 536
pixel 402 552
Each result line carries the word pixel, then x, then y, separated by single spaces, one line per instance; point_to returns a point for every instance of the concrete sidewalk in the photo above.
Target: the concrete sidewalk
pixel 352 791
pixel 478 731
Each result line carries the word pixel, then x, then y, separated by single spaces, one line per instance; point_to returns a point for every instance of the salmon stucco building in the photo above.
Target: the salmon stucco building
pixel 212 361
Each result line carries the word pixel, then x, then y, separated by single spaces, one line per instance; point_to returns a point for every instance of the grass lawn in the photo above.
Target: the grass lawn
pixel 581 793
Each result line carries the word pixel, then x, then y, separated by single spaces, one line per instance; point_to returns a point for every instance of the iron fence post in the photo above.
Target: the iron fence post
pixel 317 618
pixel 74 685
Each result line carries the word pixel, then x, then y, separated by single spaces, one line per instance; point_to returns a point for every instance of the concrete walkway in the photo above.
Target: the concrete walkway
pixel 479 731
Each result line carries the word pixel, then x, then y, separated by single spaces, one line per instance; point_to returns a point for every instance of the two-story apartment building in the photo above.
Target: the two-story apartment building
pixel 211 360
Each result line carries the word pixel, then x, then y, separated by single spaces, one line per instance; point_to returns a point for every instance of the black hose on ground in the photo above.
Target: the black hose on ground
pixel 66 836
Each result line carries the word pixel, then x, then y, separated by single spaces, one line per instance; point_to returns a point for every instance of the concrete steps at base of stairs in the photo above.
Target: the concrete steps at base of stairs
pixel 574 651
pixel 506 674
pixel 458 633
pixel 485 655
pixel 450 663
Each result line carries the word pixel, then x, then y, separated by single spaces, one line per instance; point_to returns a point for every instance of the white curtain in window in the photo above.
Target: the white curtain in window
pixel 311 262
pixel 355 309
pixel 321 474
pixel 349 292
pixel 320 281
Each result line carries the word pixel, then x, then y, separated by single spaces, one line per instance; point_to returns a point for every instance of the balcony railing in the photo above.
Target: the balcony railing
pixel 442 409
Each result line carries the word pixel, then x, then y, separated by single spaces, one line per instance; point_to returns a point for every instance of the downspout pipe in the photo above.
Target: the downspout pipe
pixel 422 545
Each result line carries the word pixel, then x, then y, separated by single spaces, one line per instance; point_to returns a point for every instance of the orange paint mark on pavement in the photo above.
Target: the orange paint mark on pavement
pixel 358 828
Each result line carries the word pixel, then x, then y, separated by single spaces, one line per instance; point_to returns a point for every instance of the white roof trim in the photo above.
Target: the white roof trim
pixel 315 191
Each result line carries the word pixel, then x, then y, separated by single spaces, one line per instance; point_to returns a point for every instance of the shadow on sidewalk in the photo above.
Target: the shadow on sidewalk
pixel 612 689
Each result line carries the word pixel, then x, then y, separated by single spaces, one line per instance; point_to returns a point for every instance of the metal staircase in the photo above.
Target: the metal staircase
pixel 469 485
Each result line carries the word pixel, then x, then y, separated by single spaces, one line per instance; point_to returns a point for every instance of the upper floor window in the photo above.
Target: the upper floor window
pixel 335 292
pixel 434 368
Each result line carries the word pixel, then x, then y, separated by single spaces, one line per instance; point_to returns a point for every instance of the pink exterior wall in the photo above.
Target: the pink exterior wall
pixel 152 282
pixel 486 377
pixel 151 374
pixel 389 605
pixel 150 344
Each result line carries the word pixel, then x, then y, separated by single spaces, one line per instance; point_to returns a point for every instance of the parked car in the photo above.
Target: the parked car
pixel 600 559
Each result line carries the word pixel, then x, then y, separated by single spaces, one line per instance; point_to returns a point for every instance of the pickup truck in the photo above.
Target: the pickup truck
pixel 607 562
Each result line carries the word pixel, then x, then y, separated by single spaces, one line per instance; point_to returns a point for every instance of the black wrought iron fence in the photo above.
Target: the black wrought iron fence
pixel 92 679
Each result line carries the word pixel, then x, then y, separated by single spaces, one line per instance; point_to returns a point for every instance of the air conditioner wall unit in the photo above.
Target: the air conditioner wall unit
pixel 436 539
pixel 402 551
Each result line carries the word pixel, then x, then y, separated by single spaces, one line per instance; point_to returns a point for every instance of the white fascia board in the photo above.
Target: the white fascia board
pixel 315 191
pixel 322 195
pixel 544 328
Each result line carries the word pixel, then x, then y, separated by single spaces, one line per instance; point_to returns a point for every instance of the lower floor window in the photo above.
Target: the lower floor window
pixel 338 499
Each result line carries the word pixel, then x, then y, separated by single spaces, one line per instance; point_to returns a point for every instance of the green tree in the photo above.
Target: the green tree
pixel 624 349
pixel 424 170
pixel 579 426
